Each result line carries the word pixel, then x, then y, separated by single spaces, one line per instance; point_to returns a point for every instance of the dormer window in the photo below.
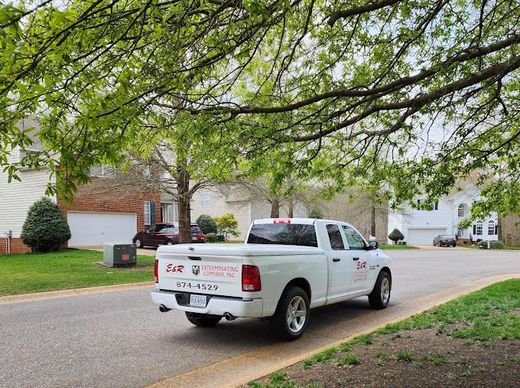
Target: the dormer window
pixel 462 210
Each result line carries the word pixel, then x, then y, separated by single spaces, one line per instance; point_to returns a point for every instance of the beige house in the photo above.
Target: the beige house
pixel 215 202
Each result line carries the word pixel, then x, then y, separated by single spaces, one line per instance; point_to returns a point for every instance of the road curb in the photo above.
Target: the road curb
pixel 255 364
pixel 72 292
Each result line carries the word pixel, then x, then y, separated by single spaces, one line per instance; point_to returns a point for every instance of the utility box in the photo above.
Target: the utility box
pixel 120 255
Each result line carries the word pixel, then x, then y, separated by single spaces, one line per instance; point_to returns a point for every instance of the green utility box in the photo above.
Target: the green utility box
pixel 120 255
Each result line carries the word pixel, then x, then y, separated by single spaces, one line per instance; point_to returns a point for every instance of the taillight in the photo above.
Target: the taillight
pixel 251 278
pixel 200 236
pixel 156 271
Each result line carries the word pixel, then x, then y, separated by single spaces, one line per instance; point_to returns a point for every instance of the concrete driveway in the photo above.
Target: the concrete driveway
pixel 121 339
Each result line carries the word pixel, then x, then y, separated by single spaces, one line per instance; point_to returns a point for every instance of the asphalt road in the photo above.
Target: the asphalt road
pixel 121 339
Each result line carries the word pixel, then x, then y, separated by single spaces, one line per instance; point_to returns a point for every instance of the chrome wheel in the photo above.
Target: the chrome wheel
pixel 296 314
pixel 385 290
pixel 169 243
pixel 138 243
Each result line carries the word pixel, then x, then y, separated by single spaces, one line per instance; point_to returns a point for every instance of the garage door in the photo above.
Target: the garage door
pixel 89 229
pixel 423 236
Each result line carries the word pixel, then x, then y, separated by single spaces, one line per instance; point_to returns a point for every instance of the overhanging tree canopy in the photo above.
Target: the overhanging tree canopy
pixel 415 93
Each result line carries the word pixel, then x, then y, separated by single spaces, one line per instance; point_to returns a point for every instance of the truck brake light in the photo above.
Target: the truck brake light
pixel 251 278
pixel 282 221
pixel 156 271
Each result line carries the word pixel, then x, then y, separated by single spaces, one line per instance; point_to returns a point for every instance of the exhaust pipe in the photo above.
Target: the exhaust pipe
pixel 229 317
pixel 163 309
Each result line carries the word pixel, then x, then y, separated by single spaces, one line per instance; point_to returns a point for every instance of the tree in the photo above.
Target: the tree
pixel 429 89
pixel 227 225
pixel 396 235
pixel 45 228
pixel 207 224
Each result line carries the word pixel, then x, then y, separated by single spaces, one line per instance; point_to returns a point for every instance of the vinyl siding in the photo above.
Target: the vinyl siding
pixel 16 197
pixel 211 202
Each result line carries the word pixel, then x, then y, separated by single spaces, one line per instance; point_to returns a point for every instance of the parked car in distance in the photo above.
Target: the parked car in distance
pixel 444 240
pixel 165 234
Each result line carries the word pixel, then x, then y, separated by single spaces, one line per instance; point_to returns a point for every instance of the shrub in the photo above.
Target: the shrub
pixel 207 224
pixel 492 244
pixel 227 225
pixel 395 235
pixel 211 237
pixel 497 245
pixel 45 228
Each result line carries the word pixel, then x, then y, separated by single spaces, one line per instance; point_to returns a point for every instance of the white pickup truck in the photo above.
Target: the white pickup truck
pixel 285 268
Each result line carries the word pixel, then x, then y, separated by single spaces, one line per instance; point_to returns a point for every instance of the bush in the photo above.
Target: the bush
pixel 211 237
pixel 492 244
pixel 497 245
pixel 45 228
pixel 207 224
pixel 396 235
pixel 227 225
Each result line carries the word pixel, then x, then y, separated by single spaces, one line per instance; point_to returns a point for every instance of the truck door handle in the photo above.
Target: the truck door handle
pixel 194 258
pixel 336 259
pixel 355 258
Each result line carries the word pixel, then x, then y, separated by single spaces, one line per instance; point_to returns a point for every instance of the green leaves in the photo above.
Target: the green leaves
pixel 413 95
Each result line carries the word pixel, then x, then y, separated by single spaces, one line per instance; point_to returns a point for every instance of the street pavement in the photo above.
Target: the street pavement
pixel 120 338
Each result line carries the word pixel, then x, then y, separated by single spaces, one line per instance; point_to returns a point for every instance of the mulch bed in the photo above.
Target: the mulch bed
pixel 417 358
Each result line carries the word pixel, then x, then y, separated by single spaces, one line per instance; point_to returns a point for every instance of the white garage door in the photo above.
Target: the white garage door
pixel 423 236
pixel 88 229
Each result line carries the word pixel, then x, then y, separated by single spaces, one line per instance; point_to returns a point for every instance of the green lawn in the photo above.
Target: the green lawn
pixel 491 313
pixel 27 273
pixel 483 317
pixel 387 247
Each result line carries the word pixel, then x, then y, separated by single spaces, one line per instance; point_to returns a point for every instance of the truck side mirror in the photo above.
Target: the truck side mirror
pixel 373 245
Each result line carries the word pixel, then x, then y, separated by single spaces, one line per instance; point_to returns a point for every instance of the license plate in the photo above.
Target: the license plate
pixel 198 300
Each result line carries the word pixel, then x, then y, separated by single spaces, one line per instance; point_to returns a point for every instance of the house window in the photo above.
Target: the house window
pixel 491 228
pixel 478 228
pixel 436 205
pixel 205 199
pixel 104 171
pixel 147 213
pixel 462 210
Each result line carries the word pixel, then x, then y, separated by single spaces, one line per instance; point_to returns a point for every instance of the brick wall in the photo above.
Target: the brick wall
pixel 87 199
pixel 17 246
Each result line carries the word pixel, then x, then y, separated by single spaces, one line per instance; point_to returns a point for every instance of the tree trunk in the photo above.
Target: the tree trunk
pixel 183 201
pixel 373 220
pixel 290 212
pixel 275 208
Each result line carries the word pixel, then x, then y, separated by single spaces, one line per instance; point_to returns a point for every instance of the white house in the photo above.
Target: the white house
pixel 443 217
pixel 93 218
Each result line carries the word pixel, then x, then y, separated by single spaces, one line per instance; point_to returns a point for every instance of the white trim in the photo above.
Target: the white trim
pixel 147 213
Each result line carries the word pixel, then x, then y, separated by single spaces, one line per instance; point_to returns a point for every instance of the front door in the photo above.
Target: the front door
pixel 340 264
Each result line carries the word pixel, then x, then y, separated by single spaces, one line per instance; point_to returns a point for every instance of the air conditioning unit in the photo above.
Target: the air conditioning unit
pixel 120 255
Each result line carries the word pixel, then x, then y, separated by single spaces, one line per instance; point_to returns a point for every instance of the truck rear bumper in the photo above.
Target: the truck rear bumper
pixel 217 305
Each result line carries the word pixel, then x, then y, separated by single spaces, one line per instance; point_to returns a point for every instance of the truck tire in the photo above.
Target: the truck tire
pixel 203 320
pixel 292 314
pixel 380 295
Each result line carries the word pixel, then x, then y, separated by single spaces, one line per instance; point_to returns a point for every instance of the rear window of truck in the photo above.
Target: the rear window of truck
pixel 284 234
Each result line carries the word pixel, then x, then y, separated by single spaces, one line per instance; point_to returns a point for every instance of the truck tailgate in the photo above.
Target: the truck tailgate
pixel 200 273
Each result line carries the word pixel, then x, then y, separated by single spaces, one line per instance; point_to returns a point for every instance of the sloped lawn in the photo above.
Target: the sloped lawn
pixel 473 341
pixel 28 273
